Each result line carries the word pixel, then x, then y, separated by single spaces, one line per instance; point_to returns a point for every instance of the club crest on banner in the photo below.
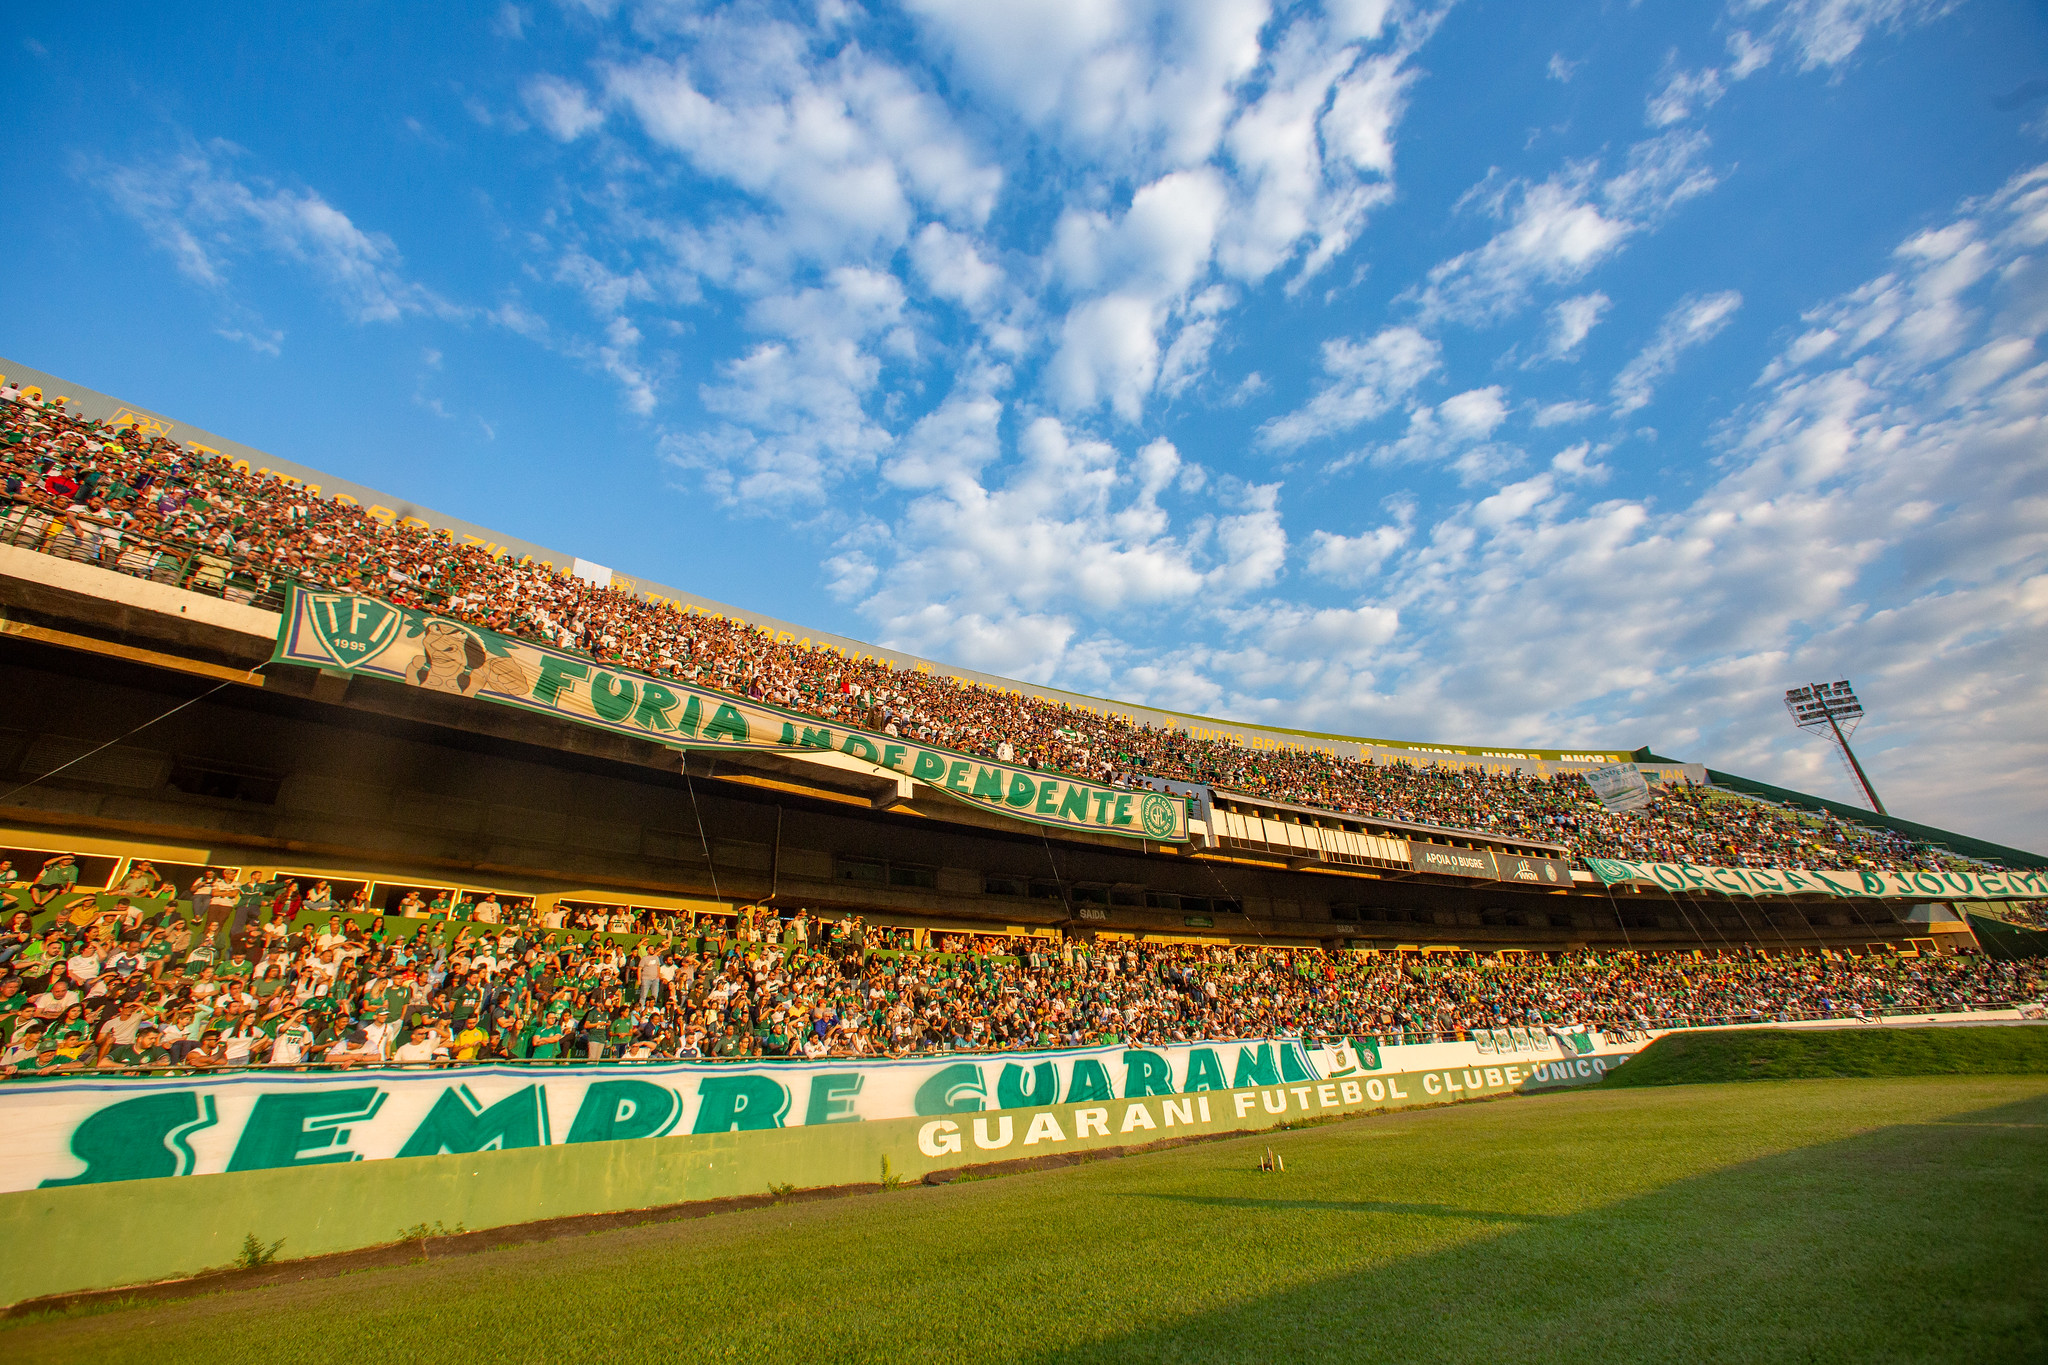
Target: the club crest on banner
pixel 353 629
pixel 1158 816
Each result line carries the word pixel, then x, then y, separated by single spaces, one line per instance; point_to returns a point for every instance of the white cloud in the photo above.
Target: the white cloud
pixel 1474 414
pixel 1556 231
pixel 1825 33
pixel 988 571
pixel 796 404
pixel 1455 433
pixel 1274 146
pixel 1580 461
pixel 1683 92
pixel 1353 560
pixel 1146 84
pixel 953 269
pixel 1691 322
pixel 1365 380
pixel 912 321
pixel 561 108
pixel 1877 515
pixel 1108 352
pixel 949 447
pixel 196 206
pixel 1368 104
pixel 1559 413
pixel 1572 320
pixel 1148 258
pixel 842 153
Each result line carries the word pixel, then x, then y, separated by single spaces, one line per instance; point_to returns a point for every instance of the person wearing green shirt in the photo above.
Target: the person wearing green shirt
pixel 249 903
pixel 143 881
pixel 467 999
pixel 46 1059
pixel 146 1050
pixel 59 875
pixel 546 1039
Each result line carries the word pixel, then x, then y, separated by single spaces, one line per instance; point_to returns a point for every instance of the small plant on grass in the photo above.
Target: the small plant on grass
pixel 420 1232
pixel 254 1255
pixel 890 1180
pixel 780 1192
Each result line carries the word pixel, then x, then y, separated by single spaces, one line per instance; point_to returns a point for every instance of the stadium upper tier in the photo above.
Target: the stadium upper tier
pixel 118 491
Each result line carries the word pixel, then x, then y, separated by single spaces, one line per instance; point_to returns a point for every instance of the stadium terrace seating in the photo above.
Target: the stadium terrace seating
pixel 200 971
pixel 150 507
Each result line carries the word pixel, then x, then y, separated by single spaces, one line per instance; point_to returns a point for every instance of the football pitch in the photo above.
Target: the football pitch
pixel 1852 1220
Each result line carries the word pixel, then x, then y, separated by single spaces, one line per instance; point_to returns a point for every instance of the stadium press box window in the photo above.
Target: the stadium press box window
pixel 863 870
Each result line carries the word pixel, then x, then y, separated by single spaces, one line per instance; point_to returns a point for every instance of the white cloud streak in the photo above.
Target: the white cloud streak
pixel 1692 322
pixel 198 207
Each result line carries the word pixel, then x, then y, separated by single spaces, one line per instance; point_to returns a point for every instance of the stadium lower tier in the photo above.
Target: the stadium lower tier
pixel 265 971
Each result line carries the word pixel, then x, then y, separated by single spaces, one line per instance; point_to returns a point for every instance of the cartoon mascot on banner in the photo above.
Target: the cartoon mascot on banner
pixel 452 659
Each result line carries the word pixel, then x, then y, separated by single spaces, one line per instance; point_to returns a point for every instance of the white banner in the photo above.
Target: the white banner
pixel 88 1131
pixel 1620 786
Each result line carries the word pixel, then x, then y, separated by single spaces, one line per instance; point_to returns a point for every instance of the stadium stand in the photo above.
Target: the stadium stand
pixel 285 972
pixel 147 506
pixel 124 960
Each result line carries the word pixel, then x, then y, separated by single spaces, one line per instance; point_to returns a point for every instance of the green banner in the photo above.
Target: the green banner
pixel 346 633
pixel 1862 884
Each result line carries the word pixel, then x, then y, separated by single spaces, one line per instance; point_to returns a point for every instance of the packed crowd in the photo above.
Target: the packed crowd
pixel 146 505
pixel 140 987
pixel 2027 914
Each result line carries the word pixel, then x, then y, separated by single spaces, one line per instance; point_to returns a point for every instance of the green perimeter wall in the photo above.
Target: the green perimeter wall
pixel 63 1240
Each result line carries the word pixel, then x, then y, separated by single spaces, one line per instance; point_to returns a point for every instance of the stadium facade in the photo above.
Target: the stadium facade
pixel 246 756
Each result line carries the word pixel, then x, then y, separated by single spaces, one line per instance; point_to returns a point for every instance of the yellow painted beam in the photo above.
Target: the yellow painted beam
pixel 45 635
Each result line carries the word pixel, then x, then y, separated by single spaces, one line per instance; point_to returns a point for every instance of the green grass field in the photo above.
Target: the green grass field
pixel 1792 1054
pixel 1852 1220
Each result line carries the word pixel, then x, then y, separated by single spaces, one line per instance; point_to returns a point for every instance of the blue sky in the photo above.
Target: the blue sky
pixel 1491 372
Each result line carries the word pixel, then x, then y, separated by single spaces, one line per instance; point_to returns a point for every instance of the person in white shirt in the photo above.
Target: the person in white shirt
pixel 52 1003
pixel 84 967
pixel 243 1042
pixel 120 1030
pixel 380 1036
pixel 294 1041
pixel 420 1049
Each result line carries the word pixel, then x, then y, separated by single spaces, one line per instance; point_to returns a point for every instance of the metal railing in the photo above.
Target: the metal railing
pixel 50 527
pixel 1399 1039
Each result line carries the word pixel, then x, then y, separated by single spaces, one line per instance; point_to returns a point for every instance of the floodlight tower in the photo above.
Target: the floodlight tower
pixel 1833 708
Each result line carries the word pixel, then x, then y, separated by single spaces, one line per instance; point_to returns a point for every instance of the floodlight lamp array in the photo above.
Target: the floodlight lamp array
pixel 1815 706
